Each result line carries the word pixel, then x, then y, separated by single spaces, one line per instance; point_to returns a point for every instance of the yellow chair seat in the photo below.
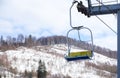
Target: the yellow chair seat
pixel 80 54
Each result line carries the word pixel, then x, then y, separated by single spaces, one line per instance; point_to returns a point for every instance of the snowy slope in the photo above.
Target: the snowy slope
pixel 53 56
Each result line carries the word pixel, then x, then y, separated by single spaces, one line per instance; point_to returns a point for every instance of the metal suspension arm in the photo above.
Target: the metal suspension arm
pixel 70 11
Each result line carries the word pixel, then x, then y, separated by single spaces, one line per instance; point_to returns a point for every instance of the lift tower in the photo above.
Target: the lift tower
pixel 101 10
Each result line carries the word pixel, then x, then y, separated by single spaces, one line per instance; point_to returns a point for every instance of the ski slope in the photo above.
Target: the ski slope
pixel 27 59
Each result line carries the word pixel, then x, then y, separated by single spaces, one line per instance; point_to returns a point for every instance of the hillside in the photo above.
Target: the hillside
pixel 31 41
pixel 26 59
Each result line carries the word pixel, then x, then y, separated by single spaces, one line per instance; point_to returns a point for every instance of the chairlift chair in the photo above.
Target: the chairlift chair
pixel 75 55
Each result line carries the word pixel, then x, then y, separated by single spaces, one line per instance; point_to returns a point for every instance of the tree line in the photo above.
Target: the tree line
pixel 30 41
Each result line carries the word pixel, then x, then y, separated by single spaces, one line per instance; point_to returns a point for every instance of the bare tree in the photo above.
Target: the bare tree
pixel 29 41
pixel 9 40
pixel 20 38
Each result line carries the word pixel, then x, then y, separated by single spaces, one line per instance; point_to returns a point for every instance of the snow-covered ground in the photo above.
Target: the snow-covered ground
pixel 27 59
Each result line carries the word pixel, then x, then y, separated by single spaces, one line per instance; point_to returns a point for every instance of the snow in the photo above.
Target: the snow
pixel 4 71
pixel 27 59
pixel 103 59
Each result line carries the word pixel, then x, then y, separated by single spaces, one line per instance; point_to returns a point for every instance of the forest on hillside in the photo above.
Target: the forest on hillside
pixel 30 41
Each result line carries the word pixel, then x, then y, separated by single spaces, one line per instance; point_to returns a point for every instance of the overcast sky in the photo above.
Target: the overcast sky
pixel 51 17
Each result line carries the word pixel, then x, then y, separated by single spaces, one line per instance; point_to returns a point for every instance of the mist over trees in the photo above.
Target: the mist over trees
pixel 30 41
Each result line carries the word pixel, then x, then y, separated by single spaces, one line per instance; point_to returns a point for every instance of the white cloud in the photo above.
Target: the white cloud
pixel 5 26
pixel 37 14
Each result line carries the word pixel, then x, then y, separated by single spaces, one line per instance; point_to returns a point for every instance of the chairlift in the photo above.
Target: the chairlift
pixel 78 55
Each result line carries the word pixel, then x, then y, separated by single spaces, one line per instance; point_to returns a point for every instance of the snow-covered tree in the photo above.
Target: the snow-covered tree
pixel 41 70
